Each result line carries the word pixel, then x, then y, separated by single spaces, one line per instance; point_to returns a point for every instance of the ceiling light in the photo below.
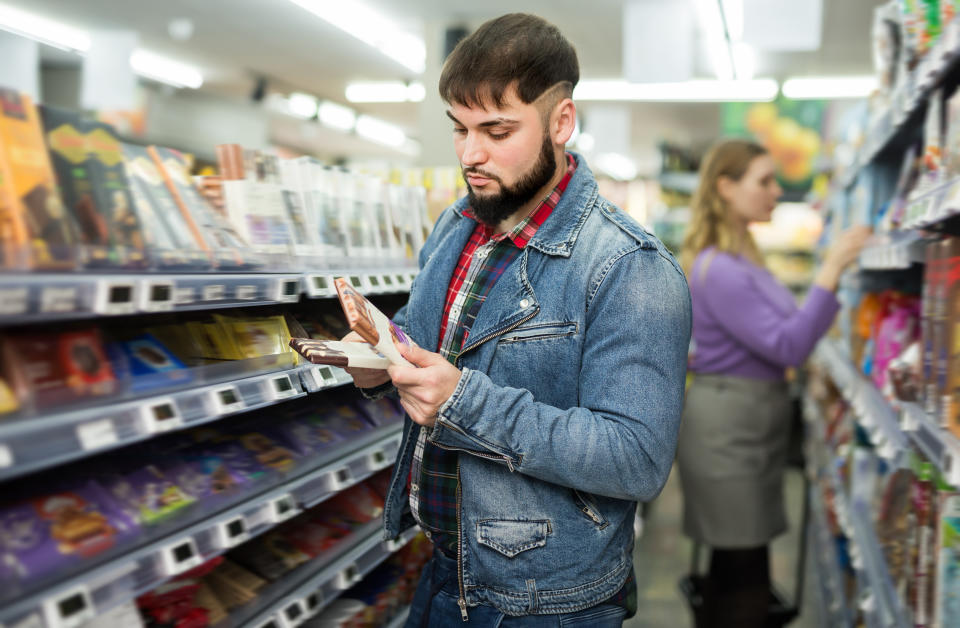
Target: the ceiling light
pixel 733 17
pixel 373 29
pixel 302 105
pixel 165 70
pixel 377 130
pixel 385 91
pixel 687 91
pixel 828 88
pixel 715 33
pixel 336 116
pixel 43 30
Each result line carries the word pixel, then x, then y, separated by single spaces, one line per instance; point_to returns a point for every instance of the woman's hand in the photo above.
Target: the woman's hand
pixel 842 253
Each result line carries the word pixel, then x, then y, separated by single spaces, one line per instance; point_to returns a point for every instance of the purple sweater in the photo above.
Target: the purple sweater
pixel 746 323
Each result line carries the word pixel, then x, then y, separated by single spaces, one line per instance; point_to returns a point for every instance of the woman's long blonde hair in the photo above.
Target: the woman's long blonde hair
pixel 711 223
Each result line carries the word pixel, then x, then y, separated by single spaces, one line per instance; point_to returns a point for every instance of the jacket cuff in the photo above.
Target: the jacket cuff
pixel 455 426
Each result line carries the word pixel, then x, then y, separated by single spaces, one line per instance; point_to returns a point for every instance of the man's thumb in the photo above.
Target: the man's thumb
pixel 415 355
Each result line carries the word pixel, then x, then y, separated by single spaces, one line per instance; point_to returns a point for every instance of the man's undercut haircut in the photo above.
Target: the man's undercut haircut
pixel 515 49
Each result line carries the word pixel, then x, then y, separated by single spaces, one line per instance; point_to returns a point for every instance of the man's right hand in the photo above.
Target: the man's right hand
pixel 365 378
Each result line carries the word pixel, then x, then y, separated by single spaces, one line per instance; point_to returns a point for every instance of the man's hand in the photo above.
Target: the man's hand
pixel 423 390
pixel 365 378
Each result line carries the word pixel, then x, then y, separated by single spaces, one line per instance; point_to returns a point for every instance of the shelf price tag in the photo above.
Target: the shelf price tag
pixel 214 292
pixel 6 457
pixel 356 281
pixel 13 301
pixel 374 282
pixel 69 609
pixel 58 299
pixel 294 614
pixel 319 285
pixel 348 576
pixel 160 415
pixel 402 281
pixel 388 282
pixel 226 400
pixel 282 508
pixel 379 460
pixel 341 478
pixel 313 602
pixel 96 434
pixel 232 532
pixel 246 293
pixel 115 297
pixel 184 295
pixel 270 622
pixel 179 557
pixel 157 296
pixel 280 387
pixel 287 290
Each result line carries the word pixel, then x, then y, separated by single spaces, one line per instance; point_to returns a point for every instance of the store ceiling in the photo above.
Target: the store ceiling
pixel 236 41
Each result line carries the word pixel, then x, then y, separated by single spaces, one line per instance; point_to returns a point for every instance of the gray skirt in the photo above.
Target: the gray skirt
pixel 731 457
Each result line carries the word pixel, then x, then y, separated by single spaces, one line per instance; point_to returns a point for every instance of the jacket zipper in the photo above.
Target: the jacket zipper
pixel 589 512
pixel 462 601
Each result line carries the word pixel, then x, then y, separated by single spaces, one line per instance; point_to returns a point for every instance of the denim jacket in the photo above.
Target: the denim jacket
pixel 568 406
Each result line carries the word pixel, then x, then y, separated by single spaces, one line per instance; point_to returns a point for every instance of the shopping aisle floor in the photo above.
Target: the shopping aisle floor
pixel 662 557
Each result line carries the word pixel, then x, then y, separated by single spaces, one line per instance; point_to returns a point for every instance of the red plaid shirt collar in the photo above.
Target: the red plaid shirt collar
pixel 520 235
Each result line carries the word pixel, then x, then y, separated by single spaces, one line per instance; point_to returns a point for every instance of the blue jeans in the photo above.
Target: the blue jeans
pixel 435 606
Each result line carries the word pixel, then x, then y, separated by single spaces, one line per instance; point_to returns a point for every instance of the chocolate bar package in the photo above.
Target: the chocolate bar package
pixel 66 137
pixel 42 535
pixel 53 369
pixel 146 494
pixel 211 230
pixel 341 354
pixel 382 411
pixel 163 224
pixel 370 323
pixel 307 436
pixel 147 364
pixel 111 190
pixel 39 233
pixel 345 419
pixel 204 476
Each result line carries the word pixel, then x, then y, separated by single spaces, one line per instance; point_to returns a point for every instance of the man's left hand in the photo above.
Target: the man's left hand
pixel 425 389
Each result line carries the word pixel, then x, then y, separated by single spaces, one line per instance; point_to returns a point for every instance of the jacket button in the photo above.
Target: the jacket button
pixel 524 302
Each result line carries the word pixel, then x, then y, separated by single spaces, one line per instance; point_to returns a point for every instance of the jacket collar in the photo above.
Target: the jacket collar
pixel 559 233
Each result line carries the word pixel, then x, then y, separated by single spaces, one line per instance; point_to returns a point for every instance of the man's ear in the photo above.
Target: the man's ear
pixel 563 121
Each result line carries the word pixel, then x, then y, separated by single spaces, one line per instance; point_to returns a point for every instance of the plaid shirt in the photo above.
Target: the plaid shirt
pixel 434 475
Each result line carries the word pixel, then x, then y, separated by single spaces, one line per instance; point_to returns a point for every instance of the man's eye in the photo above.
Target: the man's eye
pixel 500 136
pixel 459 131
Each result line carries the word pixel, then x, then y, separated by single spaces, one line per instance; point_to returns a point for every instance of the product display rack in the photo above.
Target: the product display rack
pixel 209 529
pixel 309 588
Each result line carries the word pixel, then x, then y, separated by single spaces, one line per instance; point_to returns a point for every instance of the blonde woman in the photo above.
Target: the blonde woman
pixel 747 329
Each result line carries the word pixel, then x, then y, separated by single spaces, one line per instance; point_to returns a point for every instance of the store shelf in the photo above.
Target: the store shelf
pixel 38 440
pixel 873 412
pixel 938 444
pixel 203 531
pixel 893 126
pixel 308 589
pixel 399 619
pixel 878 599
pixel 834 610
pixel 895 251
pixel 42 298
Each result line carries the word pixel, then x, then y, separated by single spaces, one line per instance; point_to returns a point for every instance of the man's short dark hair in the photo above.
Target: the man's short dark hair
pixel 515 48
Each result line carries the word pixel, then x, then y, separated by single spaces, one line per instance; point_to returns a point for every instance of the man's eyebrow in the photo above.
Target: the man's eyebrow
pixel 488 123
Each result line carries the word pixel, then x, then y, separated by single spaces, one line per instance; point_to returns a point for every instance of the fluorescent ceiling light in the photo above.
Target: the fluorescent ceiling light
pixel 733 17
pixel 336 116
pixel 687 91
pixel 165 70
pixel 43 30
pixel 711 21
pixel 371 28
pixel 385 91
pixel 302 105
pixel 827 88
pixel 381 132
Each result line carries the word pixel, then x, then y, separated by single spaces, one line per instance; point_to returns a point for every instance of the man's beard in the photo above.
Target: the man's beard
pixel 494 208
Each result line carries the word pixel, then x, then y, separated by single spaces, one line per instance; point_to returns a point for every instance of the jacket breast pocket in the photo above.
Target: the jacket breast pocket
pixel 539 331
pixel 512 537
